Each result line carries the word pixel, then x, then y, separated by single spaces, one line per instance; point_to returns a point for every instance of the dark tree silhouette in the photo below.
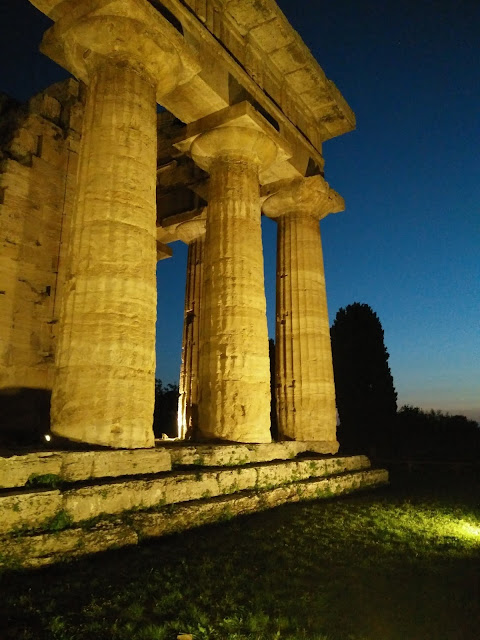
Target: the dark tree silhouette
pixel 273 399
pixel 166 408
pixel 434 436
pixel 366 397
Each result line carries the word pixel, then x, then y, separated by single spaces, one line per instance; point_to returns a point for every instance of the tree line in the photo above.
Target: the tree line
pixel 369 421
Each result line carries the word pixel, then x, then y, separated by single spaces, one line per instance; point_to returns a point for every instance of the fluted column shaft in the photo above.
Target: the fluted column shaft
pixel 189 369
pixel 235 396
pixel 104 387
pixel 304 378
pixel 305 390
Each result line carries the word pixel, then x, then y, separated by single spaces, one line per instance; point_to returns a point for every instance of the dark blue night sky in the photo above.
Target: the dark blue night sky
pixel 408 242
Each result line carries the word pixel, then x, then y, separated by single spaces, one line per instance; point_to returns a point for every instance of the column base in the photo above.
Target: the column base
pixel 102 436
pixel 323 446
pixel 212 438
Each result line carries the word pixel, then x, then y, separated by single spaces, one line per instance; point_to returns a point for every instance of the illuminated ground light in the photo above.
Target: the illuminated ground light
pixel 448 527
pixel 469 530
pixel 437 527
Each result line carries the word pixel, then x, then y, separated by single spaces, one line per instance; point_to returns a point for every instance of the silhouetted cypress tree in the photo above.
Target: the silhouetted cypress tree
pixel 166 408
pixel 273 399
pixel 366 397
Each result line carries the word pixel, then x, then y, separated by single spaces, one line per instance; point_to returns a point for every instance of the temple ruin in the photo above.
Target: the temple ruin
pixel 95 183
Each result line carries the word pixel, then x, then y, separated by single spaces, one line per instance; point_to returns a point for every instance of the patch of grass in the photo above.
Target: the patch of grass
pixel 60 521
pixel 401 563
pixel 313 466
pixel 51 480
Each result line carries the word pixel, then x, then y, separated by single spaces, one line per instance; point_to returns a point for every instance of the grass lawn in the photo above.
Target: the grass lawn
pixel 401 563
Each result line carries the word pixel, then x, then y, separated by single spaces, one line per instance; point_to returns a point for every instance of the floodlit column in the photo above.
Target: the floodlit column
pixel 104 386
pixel 193 234
pixel 103 390
pixel 234 374
pixel 304 382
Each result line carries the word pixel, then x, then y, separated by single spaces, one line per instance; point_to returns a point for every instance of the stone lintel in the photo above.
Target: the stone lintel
pixel 163 251
pixel 179 182
pixel 241 115
pixel 262 25
pixel 180 173
pixel 309 196
pixel 192 230
pixel 166 231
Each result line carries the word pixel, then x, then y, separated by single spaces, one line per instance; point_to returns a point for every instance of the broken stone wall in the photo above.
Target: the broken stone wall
pixel 38 163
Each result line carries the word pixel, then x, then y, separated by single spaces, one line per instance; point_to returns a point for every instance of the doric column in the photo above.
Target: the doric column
pixel 105 362
pixel 305 389
pixel 193 234
pixel 234 372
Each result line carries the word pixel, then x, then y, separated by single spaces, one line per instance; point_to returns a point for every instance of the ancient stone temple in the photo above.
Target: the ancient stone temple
pixel 95 184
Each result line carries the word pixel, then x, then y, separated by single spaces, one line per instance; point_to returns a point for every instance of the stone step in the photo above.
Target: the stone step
pixel 38 508
pixel 42 549
pixel 228 455
pixel 77 466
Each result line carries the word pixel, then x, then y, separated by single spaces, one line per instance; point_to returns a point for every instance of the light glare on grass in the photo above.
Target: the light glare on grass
pixel 469 530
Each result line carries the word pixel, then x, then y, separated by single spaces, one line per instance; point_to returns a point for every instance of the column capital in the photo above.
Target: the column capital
pixel 124 32
pixel 235 133
pixel 302 197
pixel 191 230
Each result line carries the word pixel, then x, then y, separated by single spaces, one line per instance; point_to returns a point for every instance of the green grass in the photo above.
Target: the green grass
pixel 50 480
pixel 398 564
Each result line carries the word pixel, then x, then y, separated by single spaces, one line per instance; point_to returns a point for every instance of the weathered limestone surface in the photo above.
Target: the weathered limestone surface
pixel 233 455
pixel 304 376
pixel 38 162
pixel 235 392
pixel 104 385
pixel 234 401
pixel 239 454
pixel 17 471
pixel 193 234
pixel 30 510
pixel 204 62
pixel 72 466
pixel 47 548
pixel 129 56
pixel 88 502
pixel 110 464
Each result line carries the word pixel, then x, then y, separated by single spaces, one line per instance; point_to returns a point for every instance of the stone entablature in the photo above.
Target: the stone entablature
pixel 233 51
pixel 259 36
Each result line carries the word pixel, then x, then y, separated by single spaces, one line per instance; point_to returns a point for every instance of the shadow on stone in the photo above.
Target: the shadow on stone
pixel 25 416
